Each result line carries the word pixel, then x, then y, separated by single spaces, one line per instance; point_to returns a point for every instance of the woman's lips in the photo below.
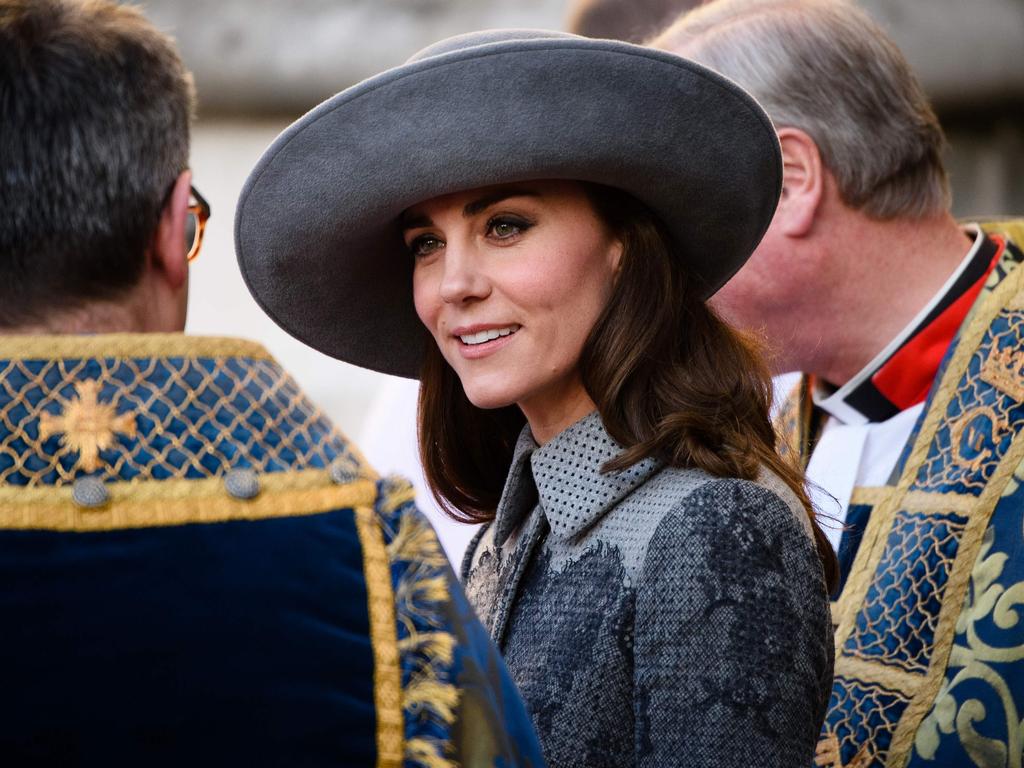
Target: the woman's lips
pixel 477 343
pixel 480 334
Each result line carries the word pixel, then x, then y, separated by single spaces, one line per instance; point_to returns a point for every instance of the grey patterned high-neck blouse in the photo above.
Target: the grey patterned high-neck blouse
pixel 657 616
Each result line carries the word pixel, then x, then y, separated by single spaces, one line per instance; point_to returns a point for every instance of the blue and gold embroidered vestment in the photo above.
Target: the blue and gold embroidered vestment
pixel 930 636
pixel 198 569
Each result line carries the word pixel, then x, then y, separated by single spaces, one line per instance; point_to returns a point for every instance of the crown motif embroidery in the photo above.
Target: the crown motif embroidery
pixel 1004 370
pixel 88 425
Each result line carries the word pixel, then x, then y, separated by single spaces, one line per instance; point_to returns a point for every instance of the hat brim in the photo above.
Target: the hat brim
pixel 316 225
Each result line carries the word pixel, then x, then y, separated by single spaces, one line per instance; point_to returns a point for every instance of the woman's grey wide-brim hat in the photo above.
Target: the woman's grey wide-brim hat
pixel 315 228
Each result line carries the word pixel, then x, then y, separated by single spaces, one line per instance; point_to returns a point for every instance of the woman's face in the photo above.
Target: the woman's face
pixel 510 280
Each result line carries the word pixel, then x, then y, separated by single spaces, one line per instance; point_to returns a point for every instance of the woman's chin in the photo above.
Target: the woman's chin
pixel 489 398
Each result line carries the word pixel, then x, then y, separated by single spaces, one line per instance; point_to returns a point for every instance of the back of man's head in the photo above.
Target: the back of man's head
pixel 96 107
pixel 824 67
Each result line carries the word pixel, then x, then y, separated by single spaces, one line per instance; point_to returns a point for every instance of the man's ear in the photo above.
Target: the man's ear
pixel 803 182
pixel 168 256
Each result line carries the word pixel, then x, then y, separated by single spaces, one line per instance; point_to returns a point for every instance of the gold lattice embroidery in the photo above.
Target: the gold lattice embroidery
pixel 827 755
pixel 899 610
pixel 1003 370
pixel 941 463
pixel 201 417
pixel 88 426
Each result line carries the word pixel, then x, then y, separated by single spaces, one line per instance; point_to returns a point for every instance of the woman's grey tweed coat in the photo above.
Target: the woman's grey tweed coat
pixel 657 616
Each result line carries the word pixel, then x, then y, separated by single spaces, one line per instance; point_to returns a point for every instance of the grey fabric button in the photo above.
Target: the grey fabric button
pixel 242 483
pixel 90 492
pixel 344 469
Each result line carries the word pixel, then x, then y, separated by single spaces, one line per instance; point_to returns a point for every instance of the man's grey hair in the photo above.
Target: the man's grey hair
pixel 824 67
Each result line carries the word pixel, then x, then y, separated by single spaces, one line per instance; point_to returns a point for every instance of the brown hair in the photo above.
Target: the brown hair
pixel 669 378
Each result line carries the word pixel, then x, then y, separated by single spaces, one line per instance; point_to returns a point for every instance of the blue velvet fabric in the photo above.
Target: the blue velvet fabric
pixel 210 637
pixel 238 643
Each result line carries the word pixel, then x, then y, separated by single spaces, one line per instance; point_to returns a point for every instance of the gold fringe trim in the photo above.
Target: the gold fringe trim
pixel 417 542
pixel 433 589
pixel 428 753
pixel 426 692
pixel 397 491
pixel 423 591
pixel 153 503
pixel 45 347
pixel 387 673
pixel 435 645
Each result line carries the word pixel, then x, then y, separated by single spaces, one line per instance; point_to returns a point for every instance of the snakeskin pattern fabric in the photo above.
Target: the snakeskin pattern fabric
pixel 655 616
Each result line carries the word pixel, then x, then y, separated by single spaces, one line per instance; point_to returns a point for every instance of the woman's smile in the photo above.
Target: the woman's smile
pixel 482 340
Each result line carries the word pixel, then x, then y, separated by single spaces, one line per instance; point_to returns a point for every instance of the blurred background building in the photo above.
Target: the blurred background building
pixel 259 64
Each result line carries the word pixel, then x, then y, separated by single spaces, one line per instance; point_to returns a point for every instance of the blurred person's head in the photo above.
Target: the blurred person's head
pixel 94 147
pixel 824 67
pixel 630 20
pixel 862 148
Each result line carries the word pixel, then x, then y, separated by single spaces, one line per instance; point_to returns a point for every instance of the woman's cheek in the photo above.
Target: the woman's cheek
pixel 424 300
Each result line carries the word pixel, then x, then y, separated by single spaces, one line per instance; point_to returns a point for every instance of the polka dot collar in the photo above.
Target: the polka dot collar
pixel 572 490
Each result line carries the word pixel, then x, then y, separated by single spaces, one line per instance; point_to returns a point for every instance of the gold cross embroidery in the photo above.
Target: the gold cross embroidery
pixel 89 426
pixel 827 754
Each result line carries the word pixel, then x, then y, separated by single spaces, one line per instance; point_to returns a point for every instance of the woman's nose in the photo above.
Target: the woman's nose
pixel 462 280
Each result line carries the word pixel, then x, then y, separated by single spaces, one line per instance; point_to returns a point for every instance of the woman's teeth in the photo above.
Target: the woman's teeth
pixel 489 335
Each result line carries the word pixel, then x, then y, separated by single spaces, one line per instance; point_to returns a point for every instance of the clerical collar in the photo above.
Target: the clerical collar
pixel 900 376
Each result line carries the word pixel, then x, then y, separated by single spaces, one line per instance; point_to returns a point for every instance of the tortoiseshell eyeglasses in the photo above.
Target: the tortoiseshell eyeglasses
pixel 195 222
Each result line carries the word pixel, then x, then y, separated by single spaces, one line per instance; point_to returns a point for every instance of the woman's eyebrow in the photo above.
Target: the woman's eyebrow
pixel 414 221
pixel 419 220
pixel 485 202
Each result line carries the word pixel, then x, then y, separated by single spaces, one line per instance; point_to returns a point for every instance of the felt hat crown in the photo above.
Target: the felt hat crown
pixel 316 229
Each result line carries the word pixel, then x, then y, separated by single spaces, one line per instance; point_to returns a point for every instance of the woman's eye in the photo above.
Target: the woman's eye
pixel 424 245
pixel 503 229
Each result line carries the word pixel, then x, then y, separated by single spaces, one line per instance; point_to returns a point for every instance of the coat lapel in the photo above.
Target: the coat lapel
pixel 542 499
pixel 535 531
pixel 505 548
